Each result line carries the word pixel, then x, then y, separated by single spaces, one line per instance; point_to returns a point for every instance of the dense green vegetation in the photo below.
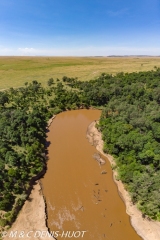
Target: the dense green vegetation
pixel 130 124
pixel 22 144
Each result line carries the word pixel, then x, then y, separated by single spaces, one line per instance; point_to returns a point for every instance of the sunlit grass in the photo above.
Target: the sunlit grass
pixel 15 71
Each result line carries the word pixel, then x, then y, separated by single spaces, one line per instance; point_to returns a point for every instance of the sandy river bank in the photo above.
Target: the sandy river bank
pixel 31 221
pixel 148 230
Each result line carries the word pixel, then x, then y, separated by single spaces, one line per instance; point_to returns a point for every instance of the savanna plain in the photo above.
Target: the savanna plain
pixel 15 71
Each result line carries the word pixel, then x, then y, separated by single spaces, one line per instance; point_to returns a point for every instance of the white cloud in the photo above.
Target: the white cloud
pixel 81 51
pixel 4 51
pixel 119 12
pixel 27 51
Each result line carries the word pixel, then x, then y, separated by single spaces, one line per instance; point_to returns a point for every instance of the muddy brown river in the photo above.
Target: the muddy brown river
pixel 82 203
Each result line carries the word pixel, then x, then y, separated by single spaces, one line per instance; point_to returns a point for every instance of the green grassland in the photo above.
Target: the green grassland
pixel 15 71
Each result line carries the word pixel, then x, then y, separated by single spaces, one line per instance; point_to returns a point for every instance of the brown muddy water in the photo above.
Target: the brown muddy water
pixel 78 196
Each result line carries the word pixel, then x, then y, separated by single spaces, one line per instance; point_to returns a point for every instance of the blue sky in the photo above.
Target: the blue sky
pixel 79 27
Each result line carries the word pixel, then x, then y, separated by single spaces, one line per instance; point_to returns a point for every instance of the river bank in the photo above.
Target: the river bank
pixel 32 217
pixel 31 221
pixel 147 229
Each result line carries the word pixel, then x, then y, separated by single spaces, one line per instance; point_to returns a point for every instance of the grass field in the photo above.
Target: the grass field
pixel 15 71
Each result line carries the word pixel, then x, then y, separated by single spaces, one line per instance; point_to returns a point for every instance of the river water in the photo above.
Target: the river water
pixel 78 196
